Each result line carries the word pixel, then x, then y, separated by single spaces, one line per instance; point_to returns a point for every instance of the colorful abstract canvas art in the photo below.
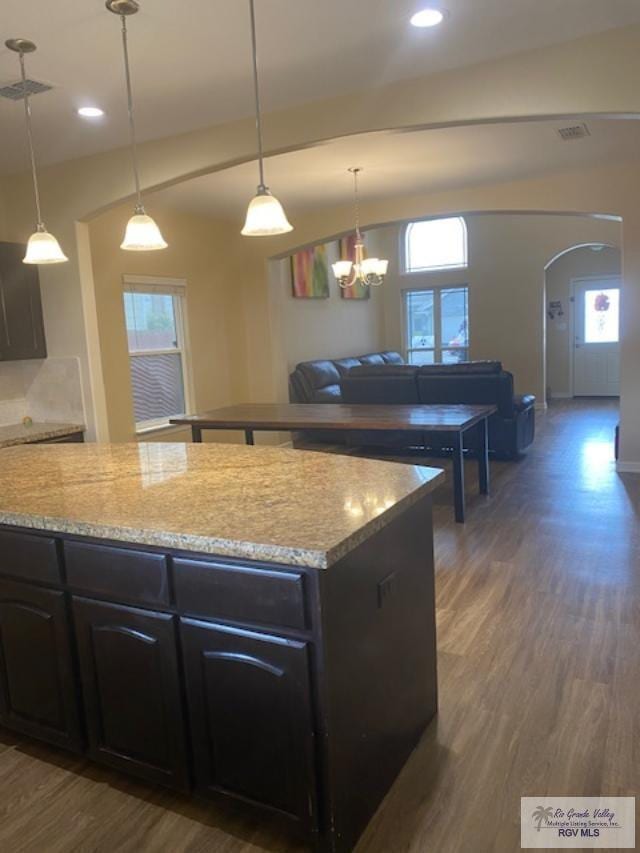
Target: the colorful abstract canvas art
pixel 310 273
pixel 348 253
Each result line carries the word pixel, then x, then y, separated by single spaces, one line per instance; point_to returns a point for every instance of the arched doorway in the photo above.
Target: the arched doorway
pixel 582 286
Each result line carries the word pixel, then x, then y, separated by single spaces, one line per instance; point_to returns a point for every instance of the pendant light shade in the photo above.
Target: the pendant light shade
pixel 141 234
pixel 42 248
pixel 265 215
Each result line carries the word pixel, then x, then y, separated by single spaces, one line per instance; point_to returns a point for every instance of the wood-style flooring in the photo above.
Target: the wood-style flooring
pixel 539 671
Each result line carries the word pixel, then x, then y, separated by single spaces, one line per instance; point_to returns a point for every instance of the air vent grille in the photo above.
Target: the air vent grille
pixel 15 91
pixel 574 131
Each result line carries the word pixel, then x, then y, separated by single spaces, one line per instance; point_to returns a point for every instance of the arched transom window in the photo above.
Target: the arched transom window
pixel 436 244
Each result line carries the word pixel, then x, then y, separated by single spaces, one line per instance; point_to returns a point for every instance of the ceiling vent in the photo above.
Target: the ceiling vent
pixel 574 131
pixel 15 91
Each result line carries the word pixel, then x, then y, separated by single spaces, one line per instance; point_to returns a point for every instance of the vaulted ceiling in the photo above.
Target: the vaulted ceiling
pixel 397 164
pixel 191 60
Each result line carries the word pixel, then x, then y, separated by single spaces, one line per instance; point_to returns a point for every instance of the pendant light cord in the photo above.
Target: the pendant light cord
pixel 355 172
pixel 132 124
pixel 27 115
pixel 256 88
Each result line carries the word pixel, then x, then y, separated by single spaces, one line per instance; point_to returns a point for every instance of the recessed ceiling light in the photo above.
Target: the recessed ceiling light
pixel 90 112
pixel 428 18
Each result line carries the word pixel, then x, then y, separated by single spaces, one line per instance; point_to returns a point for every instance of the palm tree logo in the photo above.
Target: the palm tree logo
pixel 542 814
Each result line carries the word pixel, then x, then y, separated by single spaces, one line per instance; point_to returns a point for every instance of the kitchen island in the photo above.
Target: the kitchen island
pixel 254 623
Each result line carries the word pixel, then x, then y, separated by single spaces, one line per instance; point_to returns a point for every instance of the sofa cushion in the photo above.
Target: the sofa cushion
pixel 391 357
pixel 462 367
pixel 318 374
pixel 343 365
pixel 328 394
pixel 385 370
pixel 472 389
pixel 371 358
pixel 380 383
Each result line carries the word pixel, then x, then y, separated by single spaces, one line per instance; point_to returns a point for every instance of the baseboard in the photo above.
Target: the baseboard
pixel 541 407
pixel 627 467
pixel 561 395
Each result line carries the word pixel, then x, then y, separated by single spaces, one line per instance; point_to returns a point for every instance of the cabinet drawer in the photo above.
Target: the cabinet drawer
pixel 135 577
pixel 33 558
pixel 240 594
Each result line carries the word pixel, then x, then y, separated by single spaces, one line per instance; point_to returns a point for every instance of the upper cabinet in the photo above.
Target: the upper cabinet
pixel 21 325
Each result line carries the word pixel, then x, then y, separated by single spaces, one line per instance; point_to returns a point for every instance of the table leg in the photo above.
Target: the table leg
pixel 458 477
pixel 196 434
pixel 483 456
pixel 248 436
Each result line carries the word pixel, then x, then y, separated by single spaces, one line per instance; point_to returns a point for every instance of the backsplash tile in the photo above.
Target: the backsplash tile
pixel 48 390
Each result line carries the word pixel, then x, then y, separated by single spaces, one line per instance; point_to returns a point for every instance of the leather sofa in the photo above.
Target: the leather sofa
pixel 387 380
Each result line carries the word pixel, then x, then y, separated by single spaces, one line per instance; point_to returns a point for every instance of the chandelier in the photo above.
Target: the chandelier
pixel 369 272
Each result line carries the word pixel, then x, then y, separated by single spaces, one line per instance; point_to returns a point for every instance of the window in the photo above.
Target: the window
pixel 437 325
pixel 154 317
pixel 435 244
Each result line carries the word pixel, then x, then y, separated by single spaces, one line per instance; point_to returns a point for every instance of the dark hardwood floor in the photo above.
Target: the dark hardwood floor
pixel 539 669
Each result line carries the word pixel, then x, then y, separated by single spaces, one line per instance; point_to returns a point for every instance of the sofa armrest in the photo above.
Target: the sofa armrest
pixel 522 402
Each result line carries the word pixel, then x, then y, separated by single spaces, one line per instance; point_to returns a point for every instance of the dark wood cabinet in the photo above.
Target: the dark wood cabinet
pixel 296 690
pixel 250 710
pixel 21 324
pixel 37 681
pixel 131 688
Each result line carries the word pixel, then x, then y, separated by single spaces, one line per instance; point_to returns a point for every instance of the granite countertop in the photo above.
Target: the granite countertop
pixel 21 434
pixel 258 503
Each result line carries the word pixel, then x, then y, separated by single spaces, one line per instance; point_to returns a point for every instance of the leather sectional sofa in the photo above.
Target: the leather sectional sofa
pixel 383 378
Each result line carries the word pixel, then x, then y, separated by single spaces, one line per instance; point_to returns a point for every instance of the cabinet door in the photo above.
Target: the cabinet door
pixel 21 325
pixel 37 685
pixel 131 689
pixel 251 721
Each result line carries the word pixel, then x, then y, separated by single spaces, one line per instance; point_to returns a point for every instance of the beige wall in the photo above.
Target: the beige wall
pixel 507 257
pixel 324 328
pixel 200 253
pixel 580 263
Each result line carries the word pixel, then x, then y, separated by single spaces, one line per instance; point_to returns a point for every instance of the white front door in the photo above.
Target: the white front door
pixel 596 353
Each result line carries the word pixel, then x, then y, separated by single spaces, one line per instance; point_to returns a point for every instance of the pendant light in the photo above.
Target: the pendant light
pixel 265 216
pixel 142 233
pixel 369 272
pixel 42 248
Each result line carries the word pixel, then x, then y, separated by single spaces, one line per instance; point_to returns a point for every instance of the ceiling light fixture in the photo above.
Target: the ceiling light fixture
pixel 265 215
pixel 142 234
pixel 42 248
pixel 369 272
pixel 428 18
pixel 90 112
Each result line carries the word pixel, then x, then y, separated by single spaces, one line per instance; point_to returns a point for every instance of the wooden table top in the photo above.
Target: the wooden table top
pixel 291 416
